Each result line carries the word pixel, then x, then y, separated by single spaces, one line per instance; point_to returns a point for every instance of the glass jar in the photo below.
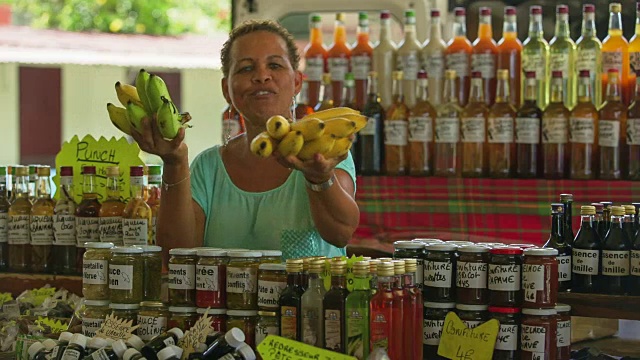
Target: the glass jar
pixel 439 273
pixel 271 257
pixel 505 269
pixel 540 278
pixel 508 334
pixel 93 315
pixel 272 279
pixel 153 318
pixel 472 315
pixel 411 250
pixel 246 321
pixel 268 324
pixel 538 334
pixel 471 275
pixel 127 312
pixel 563 343
pixel 524 246
pixel 428 241
pixel 459 243
pixel 218 318
pixel 242 280
pixel 182 317
pixel 125 275
pixel 152 278
pixel 95 270
pixel 182 277
pixel 211 275
pixel 434 315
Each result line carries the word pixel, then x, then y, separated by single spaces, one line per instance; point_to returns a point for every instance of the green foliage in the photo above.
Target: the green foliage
pixel 152 17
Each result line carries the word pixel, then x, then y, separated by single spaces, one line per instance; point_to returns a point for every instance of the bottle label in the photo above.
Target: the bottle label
pixel 527 131
pixel 554 131
pixel 338 67
pixel 155 179
pixel 169 341
pixel 121 277
pixel 585 262
pixel 64 230
pixel 100 354
pixel 472 130
pixel 564 267
pixel 182 276
pixel 356 321
pixel 615 263
pixel 500 130
pixel 231 127
pixel 269 293
pixel 587 60
pixel 71 354
pixel 314 68
pixel 361 65
pixel 582 130
pixel 564 334
pixel 4 235
pixel 95 272
pixel 207 278
pixel 533 340
pixel 609 133
pixel 431 331
pixel 435 63
pixel 447 130
pixel 111 229
pixel 151 326
pixel 633 131
pixel 438 274
pixel 504 277
pixel 635 262
pixel 41 230
pixel 332 333
pixel 471 275
pixel 135 231
pixel 611 60
pixel 380 330
pixel 18 229
pixel 242 280
pixel 310 324
pixel 372 125
pixel 458 62
pixel 536 63
pixel 420 129
pixel 634 62
pixel 288 322
pixel 559 62
pixel 396 132
pixel 507 338
pixel 91 326
pixel 485 63
pixel 263 331
pixel 409 65
pixel 87 229
pixel 532 281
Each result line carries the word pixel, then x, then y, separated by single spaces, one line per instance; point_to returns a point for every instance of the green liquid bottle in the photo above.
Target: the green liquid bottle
pixel 535 56
pixel 357 312
pixel 588 48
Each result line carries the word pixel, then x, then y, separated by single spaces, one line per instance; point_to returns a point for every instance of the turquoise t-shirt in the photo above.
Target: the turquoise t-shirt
pixel 278 219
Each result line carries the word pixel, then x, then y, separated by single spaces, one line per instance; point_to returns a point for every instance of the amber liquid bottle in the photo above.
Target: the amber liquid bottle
pixel 302 103
pixel 153 200
pixel 458 55
pixel 290 302
pixel 339 55
pixel 500 126
pixel 18 224
pixel 555 133
pixel 315 56
pixel 633 133
pixel 111 210
pixel 615 256
pixel 473 123
pixel 611 134
pixel 527 132
pixel 335 335
pixel 484 55
pixel 421 130
pixel 447 129
pixel 4 218
pixel 327 94
pixel 586 261
pixel 557 242
pixel 615 53
pixel 510 54
pixel 136 217
pixel 41 224
pixel 371 138
pixel 583 135
pixel 361 56
pixel 396 131
pixel 87 213
pixel 64 225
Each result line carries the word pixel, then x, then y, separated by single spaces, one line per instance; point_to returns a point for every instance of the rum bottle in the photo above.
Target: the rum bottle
pixel 527 132
pixel 629 221
pixel 361 56
pixel 18 224
pixel 562 56
pixel 153 200
pixel 409 57
pixel 421 130
pixel 586 254
pixel 598 220
pixel 334 303
pixel 384 60
pixel 510 54
pixel 4 218
pixel 396 131
pixel 291 302
pixel 615 53
pixel 557 242
pixel 633 134
pixel 555 133
pixel 458 55
pixel 112 208
pixel 33 177
pixel 400 313
pixel 583 135
pixel 371 137
pixel 484 55
pixel 136 217
pixel 589 53
pixel 615 256
pixel 87 213
pixel 64 225
pixel 338 58
pixel 327 94
pixel 500 127
pixel 433 59
pixel 447 130
pixel 357 313
pixel 312 312
pixel 473 130
pixel 315 58
pixel 381 310
pixel 41 223
pixel 611 134
pixel 567 229
pixel 535 55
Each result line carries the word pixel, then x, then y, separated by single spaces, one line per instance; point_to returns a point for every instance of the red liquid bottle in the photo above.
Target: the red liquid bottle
pixel 414 311
pixel 400 314
pixel 381 319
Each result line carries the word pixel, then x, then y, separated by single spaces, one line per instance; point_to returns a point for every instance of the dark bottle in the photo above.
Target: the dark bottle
pixel 586 254
pixel 222 345
pixel 567 229
pixel 527 132
pixel 153 347
pixel 63 342
pixel 334 302
pixel 37 351
pixel 634 288
pixel 606 216
pixel 171 352
pixel 556 241
pixel 115 352
pixel 291 301
pixel 75 349
pixel 637 221
pixel 628 223
pixel 133 354
pixel 4 216
pixel 598 221
pixel 371 138
pixel 615 256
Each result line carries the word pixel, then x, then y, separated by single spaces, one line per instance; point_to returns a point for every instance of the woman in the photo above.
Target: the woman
pixel 236 199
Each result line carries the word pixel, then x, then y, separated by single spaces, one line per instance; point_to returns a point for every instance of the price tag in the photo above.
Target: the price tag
pixel 197 334
pixel 461 343
pixel 276 347
pixel 116 328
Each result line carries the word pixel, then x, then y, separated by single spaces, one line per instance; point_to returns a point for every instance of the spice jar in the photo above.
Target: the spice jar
pixel 182 277
pixel 95 270
pixel 125 275
pixel 538 334
pixel 540 278
pixel 471 275
pixel 182 317
pixel 153 318
pixel 125 311
pixel 211 275
pixel 271 257
pixel 268 324
pixel 242 280
pixel 472 315
pixel 434 315
pixel 411 250
pixel 218 318
pixel 508 334
pixel 93 315
pixel 563 342
pixel 246 321
pixel 505 268
pixel 151 279
pixel 272 279
pixel 439 273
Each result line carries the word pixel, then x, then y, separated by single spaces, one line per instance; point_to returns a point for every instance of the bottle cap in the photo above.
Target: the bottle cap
pixel 136 171
pixel 126 250
pixel 465 307
pixel 441 247
pixel 49 344
pixel 244 254
pixel 183 252
pixel 450 74
pixel 65 336
pixel 385 14
pixel 410 265
pixel 615 7
pixel 177 332
pixel 34 349
pixel 585 73
pixel 503 74
pixel 599 207
pixel 315 17
pixel 563 308
pixel 409 13
pixel 119 306
pixel 361 268
pixel 316 266
pixel 562 9
pixel 504 310
pixel 556 74
pixel 113 170
pixel 272 267
pixel 66 171
pixel 340 16
pixel 154 169
pixel 211 311
pixel 21 170
pixel 617 210
pixel 535 10
pixel 234 337
pixel 246 352
pixel 97 343
pixel 373 266
pixel 150 248
pixel 539 312
pixel 589 8
pixel 362 15
pixel 183 309
pixel 398 267
pixel 130 353
pixel 294 265
pixel 541 252
pixel 79 340
pixel 44 170
pixel 509 10
pixel 338 266
pixel 587 210
pixel 177 350
pixel 135 342
pixel 166 353
pixel 119 347
pixel 422 74
pixel 439 305
pixel 88 170
pixel 98 245
pixel 397 75
pixel 485 11
pixel 473 249
pixel 629 209
pixel 403 244
pixel 385 269
pixel 274 253
pixel 435 13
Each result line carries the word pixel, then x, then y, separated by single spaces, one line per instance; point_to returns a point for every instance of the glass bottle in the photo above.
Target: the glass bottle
pixel 291 302
pixel 311 308
pixel 458 54
pixel 562 56
pixel 606 217
pixel 396 130
pixel 414 311
pixel 634 51
pixel 447 129
pixel 154 193
pixel 589 52
pixel 348 91
pixel 111 210
pixel 380 308
pixel 567 229
pixel 473 130
pixel 611 137
pixel 433 59
pixel 333 303
pixel 421 130
pixel 535 55
pixel 33 177
pixel 18 224
pixel 338 57
pixel 629 221
pixel 327 94
pixel 41 223
pixel 303 107
pixel 64 225
pixel 527 132
pixel 409 58
pixel 484 55
pixel 615 53
pixel 87 212
pixel 4 218
pixel 384 60
pixel 371 137
pixel 500 127
pixel 315 58
pixel 586 254
pixel 634 286
pixel 582 134
pixel 633 134
pixel 12 192
pixel 136 217
pixel 557 241
pixel 555 132
pixel 357 312
pixel 615 256
pixel 373 270
pixel 510 54
pixel 232 123
pixel 361 56
pixel 400 313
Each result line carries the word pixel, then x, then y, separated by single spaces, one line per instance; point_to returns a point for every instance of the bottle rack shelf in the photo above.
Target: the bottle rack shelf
pixel 602 306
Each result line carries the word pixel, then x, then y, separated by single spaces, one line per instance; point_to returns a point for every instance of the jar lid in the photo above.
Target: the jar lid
pixel 524 246
pixel 212 311
pixel 541 252
pixel 126 250
pixel 441 247
pixel 98 245
pixel 211 252
pixel 563 308
pixel 244 254
pixel 156 304
pixel 183 252
pixel 429 241
pixel 539 312
pixel 97 302
pixel 119 306
pixel 460 242
pixel 183 309
pixel 267 313
pixel 507 250
pixel 465 307
pixel 408 244
pixel 473 249
pixel 150 248
pixel 273 267
pixel 439 305
pixel 271 252
pixel 504 310
pixel 242 312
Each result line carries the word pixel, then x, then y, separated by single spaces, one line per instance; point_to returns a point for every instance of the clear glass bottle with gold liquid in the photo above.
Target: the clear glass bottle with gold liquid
pixel 409 58
pixel 589 52
pixel 583 134
pixel 112 209
pixel 137 216
pixel 500 127
pixel 615 53
pixel 87 212
pixel 326 102
pixel 33 177
pixel 4 218
pixel 12 191
pixel 555 132
pixel 633 134
pixel 447 129
pixel 527 132
pixel 510 54
pixel 64 225
pixel 41 224
pixel 421 130
pixel 612 137
pixel 562 55
pixel 433 58
pixel 634 50
pixel 18 224
pixel 155 184
pixel 458 54
pixel 384 60
pixel 396 131
pixel 535 56
pixel 473 124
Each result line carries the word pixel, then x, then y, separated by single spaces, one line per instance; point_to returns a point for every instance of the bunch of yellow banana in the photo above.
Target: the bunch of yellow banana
pixel 326 132
pixel 149 96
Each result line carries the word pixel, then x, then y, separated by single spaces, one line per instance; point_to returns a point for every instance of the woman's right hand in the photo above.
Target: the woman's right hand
pixel 150 140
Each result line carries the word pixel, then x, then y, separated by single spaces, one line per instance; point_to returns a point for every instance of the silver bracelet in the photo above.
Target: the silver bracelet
pixel 166 185
pixel 322 186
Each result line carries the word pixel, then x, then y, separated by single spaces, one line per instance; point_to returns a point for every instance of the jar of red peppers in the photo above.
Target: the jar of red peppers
pixel 563 342
pixel 211 278
pixel 540 278
pixel 218 318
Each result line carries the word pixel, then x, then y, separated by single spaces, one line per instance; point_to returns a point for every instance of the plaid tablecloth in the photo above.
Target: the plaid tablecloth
pixel 510 210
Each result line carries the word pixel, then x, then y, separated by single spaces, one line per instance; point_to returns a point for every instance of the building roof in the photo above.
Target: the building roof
pixel 20 44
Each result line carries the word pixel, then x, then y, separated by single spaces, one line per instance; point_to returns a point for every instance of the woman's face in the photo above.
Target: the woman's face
pixel 261 81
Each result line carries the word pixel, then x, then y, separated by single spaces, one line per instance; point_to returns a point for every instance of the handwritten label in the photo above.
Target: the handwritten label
pixel 269 293
pixel 314 67
pixel 532 281
pixel 460 342
pixel 559 62
pixel 338 67
pixel 116 328
pixel 182 276
pixel 586 261
pixel 472 130
pixel 278 348
pixel 121 277
pixel 41 228
pixel 64 230
pixel 420 129
pixel 409 65
pixel 564 268
pixel 534 62
pixel 471 275
pixel 447 130
pixel 582 130
pixel 554 130
pixel 435 63
pixel 500 130
pixel 207 278
pixel 242 280
pixel 527 131
pixel 396 132
pixel 459 62
pixel 4 220
pixel 361 66
pixel 609 133
pixel 18 229
pixel 87 229
pixel 196 335
pixel 633 131
pixel 135 231
pixel 635 263
pixel 95 272
pixel 485 63
pixel 615 263
pixel 611 60
pixel 432 331
pixel 151 326
pixel 372 125
pixel 504 277
pixel 532 339
pixel 91 326
pixel 438 274
pixel 587 60
pixel 564 334
pixel 263 331
pixel 507 338
pixel 111 229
